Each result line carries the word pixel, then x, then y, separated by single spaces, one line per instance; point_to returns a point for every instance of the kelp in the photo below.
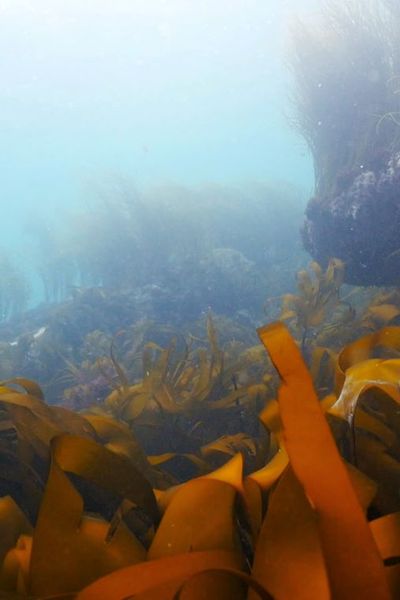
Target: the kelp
pixel 93 374
pixel 320 471
pixel 216 453
pixel 214 532
pixel 189 383
pixel 31 426
pixel 172 408
pixel 100 526
pixel 368 398
pixel 317 298
pixel 324 319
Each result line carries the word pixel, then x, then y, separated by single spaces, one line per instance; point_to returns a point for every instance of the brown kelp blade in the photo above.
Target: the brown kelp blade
pixel 288 558
pixel 224 584
pixel 69 550
pixel 362 349
pixel 354 567
pixel 140 578
pixel 199 517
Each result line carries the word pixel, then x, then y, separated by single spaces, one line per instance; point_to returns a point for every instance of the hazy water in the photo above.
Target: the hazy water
pixel 157 90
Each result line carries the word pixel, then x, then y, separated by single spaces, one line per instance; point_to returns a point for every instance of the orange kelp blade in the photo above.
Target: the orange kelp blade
pixel 362 349
pixel 14 539
pixel 231 472
pixel 15 569
pixel 113 472
pixel 288 558
pixel 220 583
pixel 200 516
pixel 386 531
pixel 70 550
pixel 13 523
pixel 270 473
pixel 360 377
pixel 354 567
pixel 117 436
pixel 248 491
pixel 369 403
pixel 30 387
pixel 167 573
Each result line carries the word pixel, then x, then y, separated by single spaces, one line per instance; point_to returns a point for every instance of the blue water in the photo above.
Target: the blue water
pixel 153 90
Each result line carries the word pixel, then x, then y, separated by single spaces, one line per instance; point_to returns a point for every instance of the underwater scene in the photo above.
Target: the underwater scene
pixel 200 300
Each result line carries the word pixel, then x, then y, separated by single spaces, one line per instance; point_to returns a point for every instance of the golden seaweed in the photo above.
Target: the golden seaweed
pixel 213 534
pixel 318 296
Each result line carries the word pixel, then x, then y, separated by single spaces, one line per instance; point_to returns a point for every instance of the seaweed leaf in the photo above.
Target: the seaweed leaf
pixel 318 466
pixel 165 574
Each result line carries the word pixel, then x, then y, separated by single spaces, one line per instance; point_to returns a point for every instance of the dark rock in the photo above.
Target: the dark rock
pixel 360 225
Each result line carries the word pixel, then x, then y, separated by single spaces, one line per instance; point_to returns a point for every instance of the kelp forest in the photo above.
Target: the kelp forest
pixel 197 407
pixel 169 486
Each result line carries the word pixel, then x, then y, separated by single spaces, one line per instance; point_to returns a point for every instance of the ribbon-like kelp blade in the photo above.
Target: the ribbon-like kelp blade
pixel 117 437
pixel 383 313
pixel 386 531
pixel 270 473
pixel 30 387
pixel 70 551
pixel 13 523
pixel 364 487
pixel 248 491
pixel 150 575
pixel 224 584
pixel 361 349
pixel 15 568
pixel 201 513
pixel 230 444
pixel 369 401
pixel 20 479
pixel 34 430
pixel 288 559
pixel 374 459
pixel 198 462
pixel 200 516
pixel 231 472
pixel 369 373
pixel 354 567
pixel 72 422
pixel 105 469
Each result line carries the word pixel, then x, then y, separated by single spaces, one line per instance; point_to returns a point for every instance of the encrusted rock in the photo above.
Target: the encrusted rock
pixel 360 224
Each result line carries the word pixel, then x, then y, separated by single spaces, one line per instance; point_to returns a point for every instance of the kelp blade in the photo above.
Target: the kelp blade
pixel 155 573
pixel 354 567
